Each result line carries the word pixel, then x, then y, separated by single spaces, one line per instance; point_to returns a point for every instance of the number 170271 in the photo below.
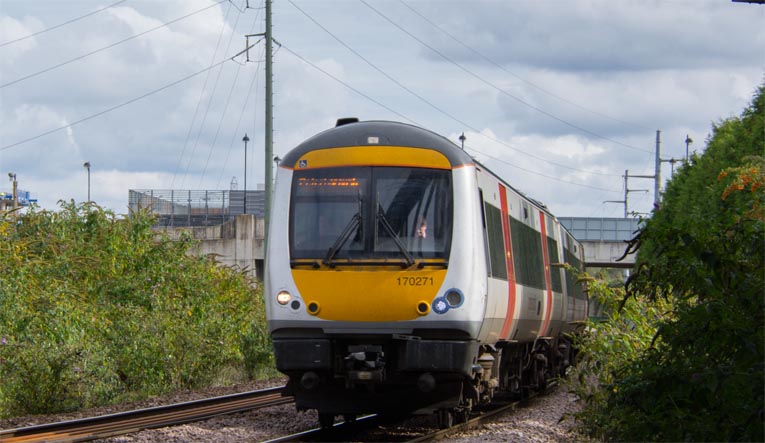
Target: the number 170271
pixel 415 281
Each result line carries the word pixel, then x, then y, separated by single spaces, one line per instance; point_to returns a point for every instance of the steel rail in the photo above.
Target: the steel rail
pixel 341 431
pixel 149 418
pixel 354 431
pixel 483 417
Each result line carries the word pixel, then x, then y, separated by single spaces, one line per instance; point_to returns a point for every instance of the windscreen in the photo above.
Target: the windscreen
pixel 371 213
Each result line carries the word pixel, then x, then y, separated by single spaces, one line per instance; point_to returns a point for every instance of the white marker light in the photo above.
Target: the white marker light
pixel 283 297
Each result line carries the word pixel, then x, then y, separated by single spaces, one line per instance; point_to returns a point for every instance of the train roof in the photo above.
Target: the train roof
pixel 351 132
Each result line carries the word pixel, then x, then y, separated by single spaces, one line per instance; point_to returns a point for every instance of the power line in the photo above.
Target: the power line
pixel 492 62
pixel 199 102
pixel 212 93
pixel 538 173
pixel 113 108
pixel 500 90
pixel 228 101
pixel 429 103
pixel 349 86
pixel 61 24
pixel 235 134
pixel 414 122
pixel 225 107
pixel 26 77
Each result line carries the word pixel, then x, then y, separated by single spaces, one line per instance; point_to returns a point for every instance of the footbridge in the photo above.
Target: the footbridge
pixel 604 239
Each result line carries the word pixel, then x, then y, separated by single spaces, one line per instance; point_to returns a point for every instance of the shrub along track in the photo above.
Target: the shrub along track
pixel 157 417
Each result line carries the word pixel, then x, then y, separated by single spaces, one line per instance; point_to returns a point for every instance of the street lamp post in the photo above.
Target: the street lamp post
pixel 462 139
pixel 688 141
pixel 15 193
pixel 245 139
pixel 86 165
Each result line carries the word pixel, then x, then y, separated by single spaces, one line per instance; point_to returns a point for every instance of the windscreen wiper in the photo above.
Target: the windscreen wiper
pixel 389 229
pixel 353 224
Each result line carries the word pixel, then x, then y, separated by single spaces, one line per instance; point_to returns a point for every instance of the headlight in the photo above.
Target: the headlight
pixel 283 297
pixel 454 297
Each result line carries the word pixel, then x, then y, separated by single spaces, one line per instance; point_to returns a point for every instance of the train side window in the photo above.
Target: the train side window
pixel 527 246
pixel 496 242
pixel 552 251
pixel 483 212
pixel 485 233
pixel 574 289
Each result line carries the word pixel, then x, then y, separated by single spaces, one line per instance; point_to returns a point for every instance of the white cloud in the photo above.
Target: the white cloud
pixel 13 29
pixel 640 66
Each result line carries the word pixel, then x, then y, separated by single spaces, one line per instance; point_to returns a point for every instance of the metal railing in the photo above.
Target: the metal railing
pixel 180 208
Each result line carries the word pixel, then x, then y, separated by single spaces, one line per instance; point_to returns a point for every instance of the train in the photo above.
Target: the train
pixel 403 276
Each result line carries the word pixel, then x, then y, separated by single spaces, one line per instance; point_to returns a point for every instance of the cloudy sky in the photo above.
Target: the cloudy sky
pixel 559 97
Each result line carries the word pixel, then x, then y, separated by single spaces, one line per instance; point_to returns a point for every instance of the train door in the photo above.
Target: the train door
pixel 499 293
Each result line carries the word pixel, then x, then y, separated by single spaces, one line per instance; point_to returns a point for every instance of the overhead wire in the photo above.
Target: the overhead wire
pixel 415 123
pixel 80 57
pixel 235 133
pixel 435 107
pixel 206 112
pixel 306 61
pixel 34 34
pixel 199 103
pixel 497 88
pixel 499 66
pixel 115 107
pixel 226 104
pixel 558 179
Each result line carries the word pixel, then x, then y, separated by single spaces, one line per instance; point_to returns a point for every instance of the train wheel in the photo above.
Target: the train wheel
pixel 326 420
pixel 445 418
pixel 462 415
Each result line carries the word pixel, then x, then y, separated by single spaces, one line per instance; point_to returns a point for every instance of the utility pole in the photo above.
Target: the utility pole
pixel 15 194
pixel 86 165
pixel 627 190
pixel 269 123
pixel 657 174
pixel 245 139
pixel 656 178
pixel 269 148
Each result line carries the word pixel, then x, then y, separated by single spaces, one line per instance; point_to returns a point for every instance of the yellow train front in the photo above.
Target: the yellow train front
pixel 379 289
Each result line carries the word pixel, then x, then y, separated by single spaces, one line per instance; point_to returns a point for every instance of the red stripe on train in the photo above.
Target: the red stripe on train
pixel 508 263
pixel 548 284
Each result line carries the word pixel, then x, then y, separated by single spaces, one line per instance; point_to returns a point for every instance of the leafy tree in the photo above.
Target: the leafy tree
pixel 96 309
pixel 703 250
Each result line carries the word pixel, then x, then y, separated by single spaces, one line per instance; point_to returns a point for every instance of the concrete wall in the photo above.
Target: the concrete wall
pixel 237 243
pixel 605 253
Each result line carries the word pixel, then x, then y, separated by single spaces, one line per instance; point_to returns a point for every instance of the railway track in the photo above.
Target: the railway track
pixel 150 418
pixel 376 429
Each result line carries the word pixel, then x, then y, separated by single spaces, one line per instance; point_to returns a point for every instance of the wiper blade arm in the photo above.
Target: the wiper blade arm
pixel 389 229
pixel 349 229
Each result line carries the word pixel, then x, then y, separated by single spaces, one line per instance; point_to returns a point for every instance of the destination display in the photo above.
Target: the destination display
pixel 328 185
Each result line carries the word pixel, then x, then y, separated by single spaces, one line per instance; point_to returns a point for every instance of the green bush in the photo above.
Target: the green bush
pixel 95 309
pixel 607 348
pixel 703 255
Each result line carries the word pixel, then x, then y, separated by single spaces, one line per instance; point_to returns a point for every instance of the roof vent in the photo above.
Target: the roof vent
pixel 346 121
